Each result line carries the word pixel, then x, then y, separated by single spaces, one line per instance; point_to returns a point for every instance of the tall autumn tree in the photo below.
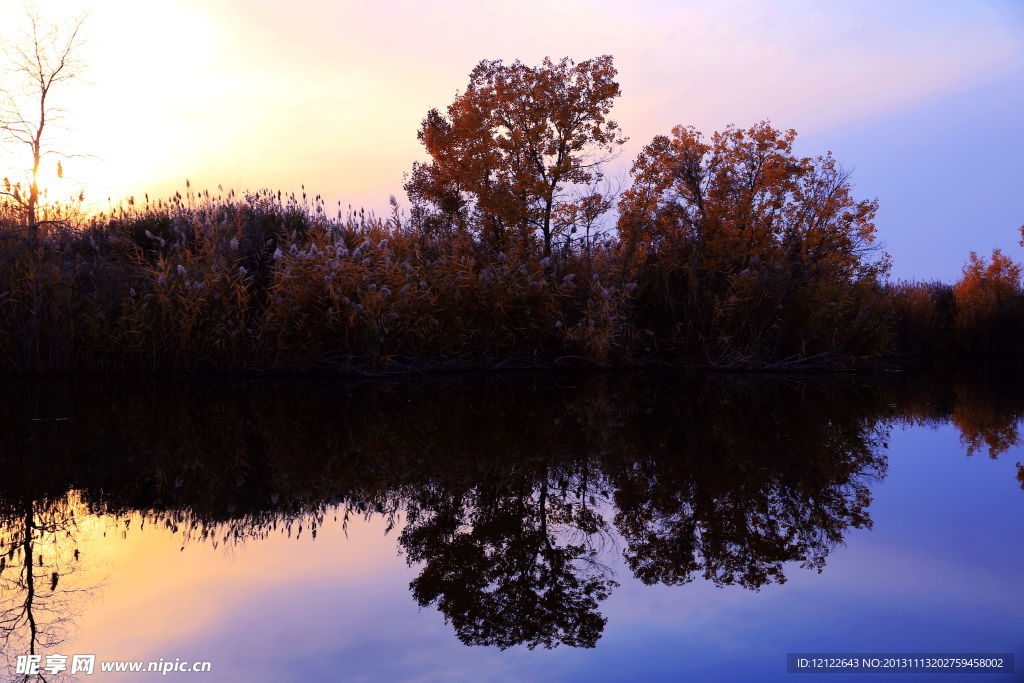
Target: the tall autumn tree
pixel 515 149
pixel 755 254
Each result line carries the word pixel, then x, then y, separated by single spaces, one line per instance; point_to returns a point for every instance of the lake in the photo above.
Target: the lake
pixel 521 526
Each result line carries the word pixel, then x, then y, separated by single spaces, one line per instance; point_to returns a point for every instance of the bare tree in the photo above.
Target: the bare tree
pixel 43 59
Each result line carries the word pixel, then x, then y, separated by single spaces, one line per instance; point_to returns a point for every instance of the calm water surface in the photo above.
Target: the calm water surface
pixel 527 527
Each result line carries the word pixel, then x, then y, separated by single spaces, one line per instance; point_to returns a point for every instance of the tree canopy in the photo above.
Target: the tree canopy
pixel 747 241
pixel 519 151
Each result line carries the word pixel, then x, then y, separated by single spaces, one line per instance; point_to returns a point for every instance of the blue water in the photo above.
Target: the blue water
pixel 939 572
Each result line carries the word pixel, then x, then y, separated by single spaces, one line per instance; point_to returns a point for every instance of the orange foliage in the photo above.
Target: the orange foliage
pixel 743 231
pixel 985 287
pixel 742 198
pixel 984 425
pixel 511 146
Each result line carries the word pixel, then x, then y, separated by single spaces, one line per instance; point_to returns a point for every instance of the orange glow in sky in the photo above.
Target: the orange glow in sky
pixel 330 94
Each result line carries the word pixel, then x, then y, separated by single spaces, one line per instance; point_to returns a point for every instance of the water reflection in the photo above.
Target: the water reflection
pixel 39 560
pixel 506 494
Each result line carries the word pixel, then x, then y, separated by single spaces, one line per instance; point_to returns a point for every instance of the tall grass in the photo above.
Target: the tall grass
pixel 264 281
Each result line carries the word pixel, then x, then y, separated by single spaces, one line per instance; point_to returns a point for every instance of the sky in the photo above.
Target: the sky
pixel 922 100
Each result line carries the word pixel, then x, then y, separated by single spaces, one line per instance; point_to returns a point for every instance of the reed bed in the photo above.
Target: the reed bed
pixel 266 282
pixel 261 281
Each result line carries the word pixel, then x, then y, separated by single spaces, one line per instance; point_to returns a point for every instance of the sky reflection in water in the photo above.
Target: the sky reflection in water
pixel 647 528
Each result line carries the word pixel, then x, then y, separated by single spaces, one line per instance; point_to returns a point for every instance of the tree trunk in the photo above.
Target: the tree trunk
pixel 547 227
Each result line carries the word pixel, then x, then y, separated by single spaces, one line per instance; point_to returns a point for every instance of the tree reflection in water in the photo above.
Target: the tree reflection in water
pixel 38 556
pixel 510 494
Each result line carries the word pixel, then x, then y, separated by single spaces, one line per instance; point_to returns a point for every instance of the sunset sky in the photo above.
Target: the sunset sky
pixel 922 99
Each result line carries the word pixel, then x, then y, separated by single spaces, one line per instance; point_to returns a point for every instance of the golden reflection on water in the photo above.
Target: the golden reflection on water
pixel 132 586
